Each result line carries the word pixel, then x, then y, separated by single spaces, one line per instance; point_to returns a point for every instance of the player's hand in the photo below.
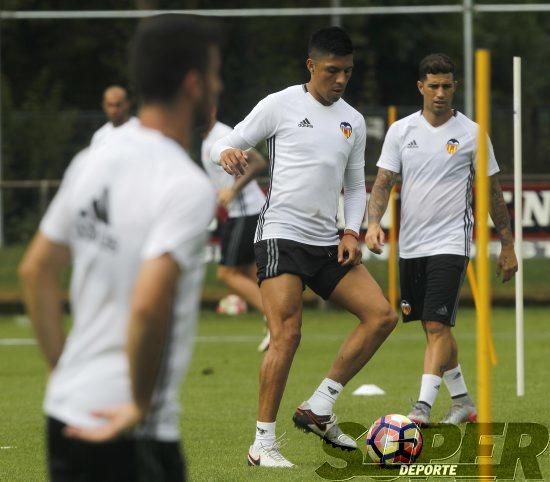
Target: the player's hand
pixel 375 238
pixel 118 420
pixel 349 252
pixel 234 161
pixel 225 196
pixel 507 263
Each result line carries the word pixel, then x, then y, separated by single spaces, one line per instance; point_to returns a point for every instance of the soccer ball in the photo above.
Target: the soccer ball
pixel 231 305
pixel 394 440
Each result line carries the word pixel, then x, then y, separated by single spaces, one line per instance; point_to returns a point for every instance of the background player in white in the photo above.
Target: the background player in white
pixel 131 214
pixel 116 107
pixel 316 143
pixel 243 198
pixel 435 152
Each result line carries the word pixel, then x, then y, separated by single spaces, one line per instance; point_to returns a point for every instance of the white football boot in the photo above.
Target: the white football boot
pixel 260 455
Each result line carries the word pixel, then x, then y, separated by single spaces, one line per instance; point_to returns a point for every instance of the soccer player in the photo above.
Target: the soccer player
pixel 243 199
pixel 435 151
pixel 116 106
pixel 132 215
pixel 316 145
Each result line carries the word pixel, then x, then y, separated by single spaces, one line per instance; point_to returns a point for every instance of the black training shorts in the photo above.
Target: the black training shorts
pixel 430 287
pixel 238 240
pixel 317 266
pixel 123 460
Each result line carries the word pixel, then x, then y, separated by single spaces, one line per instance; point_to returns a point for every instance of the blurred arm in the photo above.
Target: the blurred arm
pixel 39 272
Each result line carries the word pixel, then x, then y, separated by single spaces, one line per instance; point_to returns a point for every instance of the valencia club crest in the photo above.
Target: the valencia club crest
pixel 346 129
pixel 452 146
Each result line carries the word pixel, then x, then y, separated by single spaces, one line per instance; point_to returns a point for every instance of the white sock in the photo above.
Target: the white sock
pixel 323 399
pixel 265 433
pixel 429 389
pixel 455 382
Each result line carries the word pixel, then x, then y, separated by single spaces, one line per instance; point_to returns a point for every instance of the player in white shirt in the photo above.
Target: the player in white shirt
pixel 243 198
pixel 316 145
pixel 117 110
pixel 132 216
pixel 435 151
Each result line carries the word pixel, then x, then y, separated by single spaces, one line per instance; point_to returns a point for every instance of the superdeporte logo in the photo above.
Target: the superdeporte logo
pixel 512 450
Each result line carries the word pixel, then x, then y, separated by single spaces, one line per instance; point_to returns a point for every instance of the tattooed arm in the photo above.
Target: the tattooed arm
pixel 378 202
pixel 507 262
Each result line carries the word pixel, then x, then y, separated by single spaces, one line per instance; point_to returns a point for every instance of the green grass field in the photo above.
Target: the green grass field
pixel 220 393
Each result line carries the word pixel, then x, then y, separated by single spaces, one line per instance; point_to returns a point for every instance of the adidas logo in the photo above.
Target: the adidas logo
pixel 305 123
pixel 261 431
pixel 442 311
pixel 457 376
pixel 332 391
pixel 412 144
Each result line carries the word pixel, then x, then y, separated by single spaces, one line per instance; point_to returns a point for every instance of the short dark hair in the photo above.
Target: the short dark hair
pixel 330 40
pixel 164 49
pixel 435 64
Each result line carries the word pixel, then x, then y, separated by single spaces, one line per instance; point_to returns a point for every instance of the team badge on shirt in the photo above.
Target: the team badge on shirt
pixel 346 129
pixel 452 146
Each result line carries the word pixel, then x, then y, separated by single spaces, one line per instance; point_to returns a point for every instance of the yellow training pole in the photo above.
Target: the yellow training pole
pixel 482 242
pixel 473 288
pixel 392 255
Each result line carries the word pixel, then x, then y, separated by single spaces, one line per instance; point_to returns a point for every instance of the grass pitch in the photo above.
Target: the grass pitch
pixel 219 396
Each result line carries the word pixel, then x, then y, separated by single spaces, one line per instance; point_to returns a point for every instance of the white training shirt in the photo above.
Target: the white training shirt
pixel 107 129
pixel 437 165
pixel 133 197
pixel 250 199
pixel 314 151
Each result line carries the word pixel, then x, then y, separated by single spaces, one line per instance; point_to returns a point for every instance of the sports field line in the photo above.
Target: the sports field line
pixel 307 337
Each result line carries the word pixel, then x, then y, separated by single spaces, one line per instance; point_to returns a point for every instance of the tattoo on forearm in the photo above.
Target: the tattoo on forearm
pixel 499 213
pixel 380 194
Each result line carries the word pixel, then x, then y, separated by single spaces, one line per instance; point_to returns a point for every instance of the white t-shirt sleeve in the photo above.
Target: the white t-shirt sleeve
pixel 355 194
pixel 257 126
pixel 181 221
pixel 492 165
pixel 390 158
pixel 56 224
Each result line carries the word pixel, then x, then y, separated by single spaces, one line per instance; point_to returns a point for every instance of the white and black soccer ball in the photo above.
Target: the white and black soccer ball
pixel 232 305
pixel 394 440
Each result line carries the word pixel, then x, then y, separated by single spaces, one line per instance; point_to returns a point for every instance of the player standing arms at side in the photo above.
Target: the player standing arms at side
pixel 131 214
pixel 435 151
pixel 316 144
pixel 243 198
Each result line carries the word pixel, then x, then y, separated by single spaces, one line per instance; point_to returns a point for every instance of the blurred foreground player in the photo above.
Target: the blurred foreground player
pixel 243 199
pixel 131 214
pixel 116 107
pixel 435 151
pixel 316 142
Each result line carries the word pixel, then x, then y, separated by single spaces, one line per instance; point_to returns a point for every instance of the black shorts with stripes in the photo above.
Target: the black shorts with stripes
pixel 122 460
pixel 430 287
pixel 317 266
pixel 238 240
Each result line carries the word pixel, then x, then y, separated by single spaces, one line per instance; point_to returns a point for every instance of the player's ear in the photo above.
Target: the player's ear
pixel 193 84
pixel 310 65
pixel 420 86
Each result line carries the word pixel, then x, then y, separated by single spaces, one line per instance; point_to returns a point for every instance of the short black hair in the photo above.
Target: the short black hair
pixel 164 49
pixel 330 40
pixel 435 64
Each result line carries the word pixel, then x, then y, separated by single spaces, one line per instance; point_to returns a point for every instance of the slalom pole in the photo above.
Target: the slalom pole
pixel 392 235
pixel 482 244
pixel 518 227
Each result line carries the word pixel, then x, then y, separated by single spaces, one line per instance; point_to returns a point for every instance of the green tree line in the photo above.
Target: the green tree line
pixel 54 72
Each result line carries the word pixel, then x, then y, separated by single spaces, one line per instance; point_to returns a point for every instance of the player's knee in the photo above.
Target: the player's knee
pixel 436 329
pixel 388 320
pixel 224 273
pixel 286 340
